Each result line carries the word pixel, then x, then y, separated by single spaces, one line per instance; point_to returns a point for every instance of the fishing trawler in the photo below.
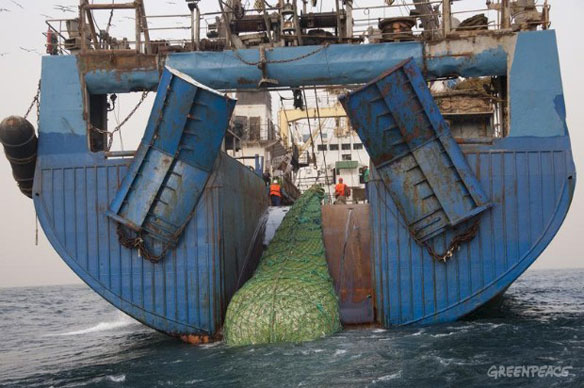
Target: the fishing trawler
pixel 472 169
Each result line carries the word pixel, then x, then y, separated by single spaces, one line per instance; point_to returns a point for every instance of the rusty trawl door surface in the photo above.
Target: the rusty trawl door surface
pixel 175 158
pixel 413 151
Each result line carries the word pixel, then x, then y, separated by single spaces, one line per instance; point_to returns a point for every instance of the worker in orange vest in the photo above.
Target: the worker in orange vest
pixel 276 193
pixel 342 191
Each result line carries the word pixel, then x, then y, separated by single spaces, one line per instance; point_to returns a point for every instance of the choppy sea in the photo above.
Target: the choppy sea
pixel 67 336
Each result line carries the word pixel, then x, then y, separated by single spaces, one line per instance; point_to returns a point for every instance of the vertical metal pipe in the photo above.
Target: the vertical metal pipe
pixel 193 45
pixel 340 32
pixel 297 23
pixel 197 27
pixel 226 24
pixel 267 22
pixel 349 20
pixel 505 15
pixel 446 17
pixel 82 26
pixel 144 26
pixel 138 32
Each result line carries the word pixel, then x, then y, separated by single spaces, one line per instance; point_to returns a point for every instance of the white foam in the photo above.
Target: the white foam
pixel 117 379
pixel 397 375
pixel 443 334
pixel 194 381
pixel 122 321
pixel 339 352
pixel 209 346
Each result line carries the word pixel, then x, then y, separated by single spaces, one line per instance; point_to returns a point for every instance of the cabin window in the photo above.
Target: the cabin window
pixel 358 146
pixel 334 147
pixel 322 147
pixel 346 146
pixel 239 126
pixel 347 157
pixel 254 128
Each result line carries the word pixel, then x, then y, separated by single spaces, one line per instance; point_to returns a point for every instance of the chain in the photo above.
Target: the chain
pixel 316 51
pixel 455 243
pixel 35 100
pixel 139 244
pixel 111 134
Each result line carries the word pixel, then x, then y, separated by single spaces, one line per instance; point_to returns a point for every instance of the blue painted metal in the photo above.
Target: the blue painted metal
pixel 413 151
pixel 188 291
pixel 535 92
pixel 63 130
pixel 304 65
pixel 175 158
pixel 530 182
pixel 529 177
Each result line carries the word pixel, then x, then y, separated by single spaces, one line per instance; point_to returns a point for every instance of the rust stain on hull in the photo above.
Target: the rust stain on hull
pixel 116 61
pixel 347 236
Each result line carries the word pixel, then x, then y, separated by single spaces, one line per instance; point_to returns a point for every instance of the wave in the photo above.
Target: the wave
pixel 385 378
pixel 122 321
pixel 117 379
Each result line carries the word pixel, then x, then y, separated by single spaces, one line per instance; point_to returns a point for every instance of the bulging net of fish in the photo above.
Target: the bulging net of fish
pixel 291 297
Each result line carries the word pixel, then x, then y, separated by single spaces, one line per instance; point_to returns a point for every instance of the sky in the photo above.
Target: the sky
pixel 23 263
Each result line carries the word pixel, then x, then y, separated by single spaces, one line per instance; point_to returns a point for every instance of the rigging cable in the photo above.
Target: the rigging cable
pixel 321 141
pixel 111 134
pixel 309 128
pixel 283 108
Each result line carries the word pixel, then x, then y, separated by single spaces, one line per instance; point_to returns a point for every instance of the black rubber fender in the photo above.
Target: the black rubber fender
pixel 20 142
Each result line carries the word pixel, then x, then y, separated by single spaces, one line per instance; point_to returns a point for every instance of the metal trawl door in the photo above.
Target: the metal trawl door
pixel 413 151
pixel 175 158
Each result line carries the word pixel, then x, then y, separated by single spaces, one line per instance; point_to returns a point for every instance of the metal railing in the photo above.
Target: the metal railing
pixel 364 24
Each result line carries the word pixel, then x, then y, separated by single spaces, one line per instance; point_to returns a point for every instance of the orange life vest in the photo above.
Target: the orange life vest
pixel 275 190
pixel 340 190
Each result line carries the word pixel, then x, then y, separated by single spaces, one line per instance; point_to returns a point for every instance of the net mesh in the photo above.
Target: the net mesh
pixel 291 297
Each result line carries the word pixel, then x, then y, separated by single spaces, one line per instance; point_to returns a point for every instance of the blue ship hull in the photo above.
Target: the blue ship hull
pixel 188 291
pixel 530 181
pixel 528 177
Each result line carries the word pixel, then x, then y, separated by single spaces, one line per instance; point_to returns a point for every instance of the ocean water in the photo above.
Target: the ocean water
pixel 67 336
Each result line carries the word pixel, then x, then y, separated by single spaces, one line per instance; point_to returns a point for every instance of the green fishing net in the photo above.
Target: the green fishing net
pixel 291 297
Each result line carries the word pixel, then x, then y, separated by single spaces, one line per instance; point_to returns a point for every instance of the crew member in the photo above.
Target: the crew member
pixel 342 191
pixel 267 178
pixel 276 193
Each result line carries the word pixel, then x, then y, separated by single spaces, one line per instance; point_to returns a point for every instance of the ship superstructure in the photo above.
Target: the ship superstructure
pixel 461 113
